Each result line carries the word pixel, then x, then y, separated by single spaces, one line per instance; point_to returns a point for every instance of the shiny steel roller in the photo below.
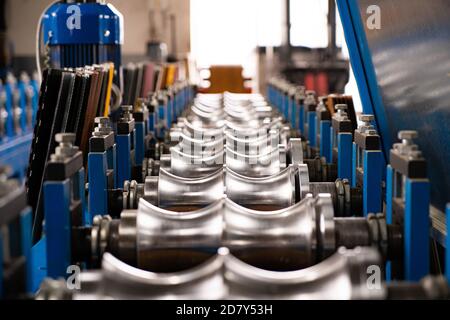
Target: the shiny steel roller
pixel 221 276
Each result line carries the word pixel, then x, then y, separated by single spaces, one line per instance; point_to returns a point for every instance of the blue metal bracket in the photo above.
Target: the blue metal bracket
pixel 344 161
pixel 362 66
pixel 301 118
pixel 140 132
pixel 292 112
pixel 417 229
pixel 98 183
pixel 124 164
pixel 325 144
pixel 447 248
pixel 15 153
pixel 162 120
pixel 26 242
pixel 311 118
pixel 372 183
pixel 286 105
pixel 57 197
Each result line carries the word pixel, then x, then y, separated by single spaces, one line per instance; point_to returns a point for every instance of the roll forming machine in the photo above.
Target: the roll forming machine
pixel 227 196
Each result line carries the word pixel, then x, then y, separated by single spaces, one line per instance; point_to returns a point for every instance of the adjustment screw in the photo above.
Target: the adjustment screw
pixel 366 118
pixel 341 107
pixel 415 154
pixel 408 135
pixel 103 128
pixel 127 108
pixel 65 138
pixel 102 121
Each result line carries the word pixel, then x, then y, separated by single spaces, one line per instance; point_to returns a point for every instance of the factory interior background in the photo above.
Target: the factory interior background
pixel 224 150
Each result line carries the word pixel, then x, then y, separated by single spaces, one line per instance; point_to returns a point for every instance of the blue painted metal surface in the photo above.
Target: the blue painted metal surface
pixel 412 53
pixel 80 34
pixel 372 180
pixel 389 193
pixel 162 121
pixel 325 144
pixel 447 251
pixel 99 24
pixel 112 162
pixel 57 196
pixel 355 151
pixel 311 118
pixel 38 264
pixel 15 153
pixel 344 161
pixel 140 142
pixel 417 229
pixel 301 118
pixel 286 105
pixel 124 164
pixel 293 113
pixel 26 242
pixel 98 183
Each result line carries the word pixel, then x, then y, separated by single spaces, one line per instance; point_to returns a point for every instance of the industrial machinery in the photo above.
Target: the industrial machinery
pixel 18 108
pixel 181 195
pixel 76 34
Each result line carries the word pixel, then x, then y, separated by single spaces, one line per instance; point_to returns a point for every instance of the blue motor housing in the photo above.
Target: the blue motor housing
pixel 80 34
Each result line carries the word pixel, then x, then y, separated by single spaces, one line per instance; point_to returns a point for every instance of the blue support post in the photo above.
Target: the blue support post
pixel 57 199
pixel 123 158
pixel 162 112
pixel 355 150
pixel 311 118
pixel 112 162
pixel 98 183
pixel 9 108
pixel 301 118
pixel 447 247
pixel 293 114
pixel 140 142
pixel 286 106
pixel 417 229
pixel 344 163
pixel 389 193
pixel 38 264
pixel 325 145
pixel 26 242
pixel 372 201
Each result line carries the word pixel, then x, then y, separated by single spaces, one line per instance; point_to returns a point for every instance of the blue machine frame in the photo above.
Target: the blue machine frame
pixel 413 55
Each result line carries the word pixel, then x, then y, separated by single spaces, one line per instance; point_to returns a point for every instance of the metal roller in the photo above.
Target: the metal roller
pixel 221 276
pixel 260 165
pixel 188 166
pixel 182 193
pixel 264 193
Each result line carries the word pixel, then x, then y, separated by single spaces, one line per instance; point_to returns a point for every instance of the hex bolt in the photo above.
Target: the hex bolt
pixel 66 148
pixel 103 128
pixel 367 124
pixel 127 113
pixel 415 154
pixel 341 109
pixel 65 139
pixel 102 121
pixel 367 119
pixel 407 136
